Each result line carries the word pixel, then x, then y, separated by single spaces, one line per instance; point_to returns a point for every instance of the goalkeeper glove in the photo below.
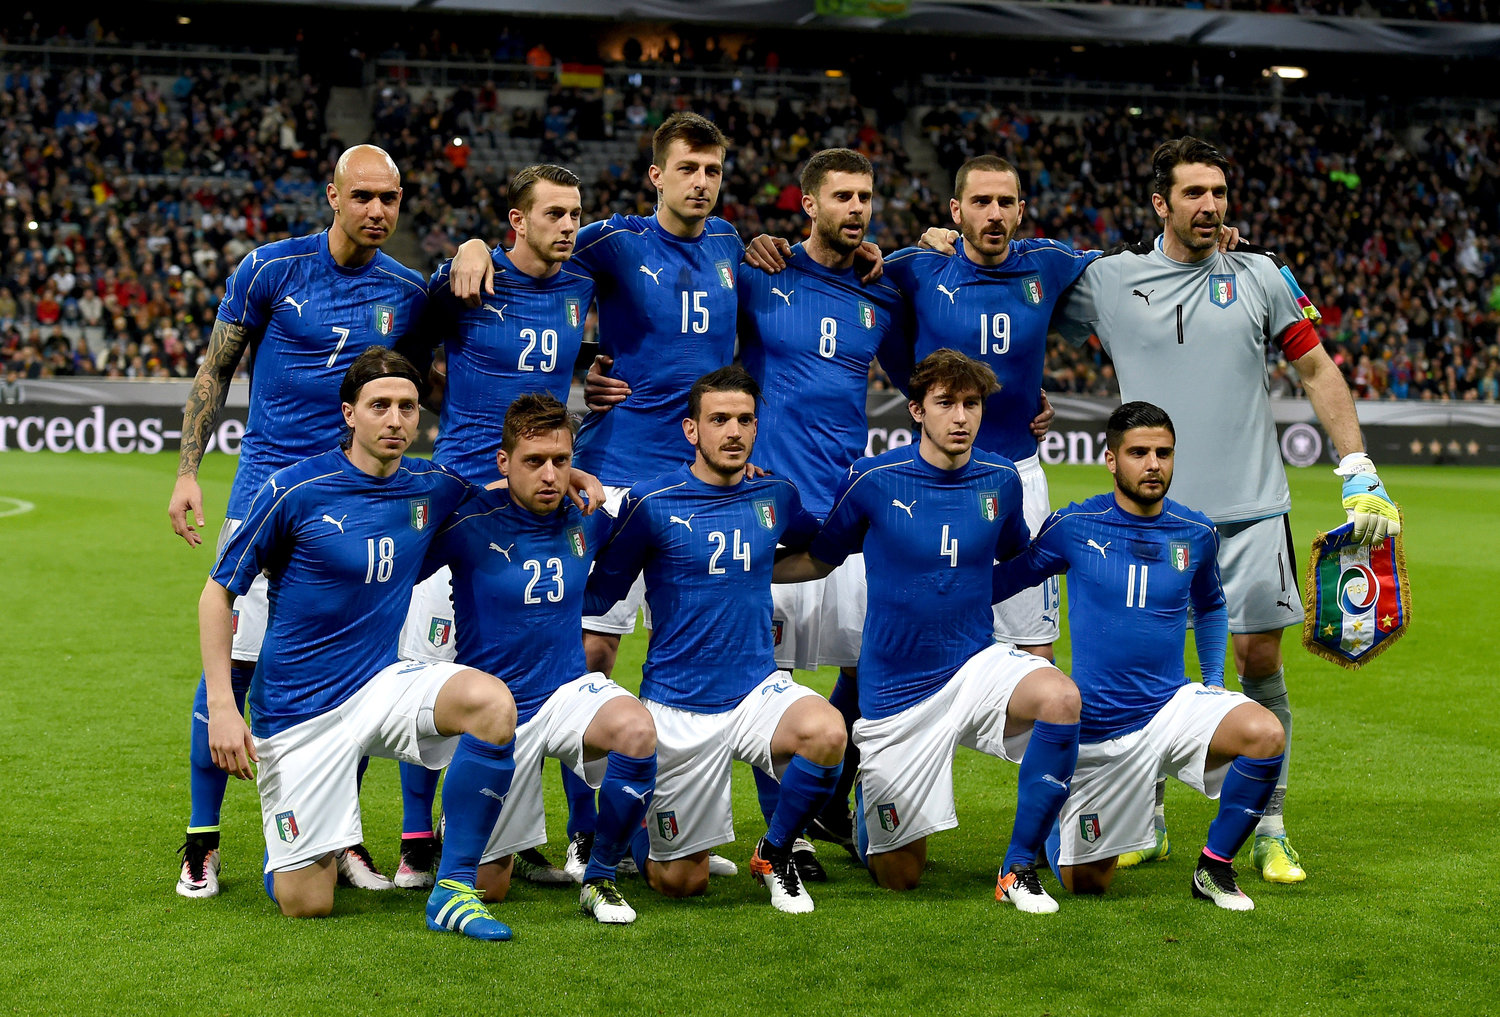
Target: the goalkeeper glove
pixel 1370 509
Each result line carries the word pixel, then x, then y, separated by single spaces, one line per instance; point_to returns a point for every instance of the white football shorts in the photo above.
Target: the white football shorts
pixel 251 612
pixel 429 632
pixel 1109 808
pixel 308 774
pixel 820 623
pixel 556 731
pixel 620 619
pixel 1030 617
pixel 906 759
pixel 691 811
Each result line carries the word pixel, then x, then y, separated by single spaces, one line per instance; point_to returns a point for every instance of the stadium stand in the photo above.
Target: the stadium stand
pixel 145 190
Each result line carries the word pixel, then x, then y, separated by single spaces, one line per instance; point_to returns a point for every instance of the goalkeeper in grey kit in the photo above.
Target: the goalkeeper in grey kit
pixel 1187 326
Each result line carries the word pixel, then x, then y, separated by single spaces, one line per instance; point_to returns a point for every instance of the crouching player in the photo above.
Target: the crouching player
pixel 931 520
pixel 520 559
pixel 705 537
pixel 342 536
pixel 1136 561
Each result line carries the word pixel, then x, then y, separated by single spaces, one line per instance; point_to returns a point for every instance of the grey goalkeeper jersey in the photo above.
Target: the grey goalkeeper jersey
pixel 1192 339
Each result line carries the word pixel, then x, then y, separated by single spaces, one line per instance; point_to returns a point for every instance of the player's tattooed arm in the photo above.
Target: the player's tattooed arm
pixel 226 345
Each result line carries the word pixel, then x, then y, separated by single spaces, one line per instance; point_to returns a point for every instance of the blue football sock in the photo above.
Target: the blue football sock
pixel 624 796
pixel 270 880
pixel 583 813
pixel 206 782
pixel 479 778
pixel 1053 849
pixel 805 787
pixel 1242 800
pixel 861 833
pixel 1041 789
pixel 640 848
pixel 845 699
pixel 418 792
pixel 768 791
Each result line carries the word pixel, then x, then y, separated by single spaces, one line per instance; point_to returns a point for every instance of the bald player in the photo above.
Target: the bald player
pixel 306 308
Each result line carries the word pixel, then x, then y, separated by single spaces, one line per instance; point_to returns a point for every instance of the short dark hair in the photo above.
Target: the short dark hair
pixel 1132 415
pixel 952 372
pixel 832 160
pixel 697 131
pixel 1171 154
pixel 376 362
pixel 522 191
pixel 726 379
pixel 982 164
pixel 531 415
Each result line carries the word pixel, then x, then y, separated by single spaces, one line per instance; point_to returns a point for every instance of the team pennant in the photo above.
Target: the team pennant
pixel 1357 599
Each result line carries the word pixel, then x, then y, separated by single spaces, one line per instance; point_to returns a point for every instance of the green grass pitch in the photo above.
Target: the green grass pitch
pixel 1395 806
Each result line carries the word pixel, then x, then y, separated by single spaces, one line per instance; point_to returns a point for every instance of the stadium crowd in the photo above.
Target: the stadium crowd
pixel 127 204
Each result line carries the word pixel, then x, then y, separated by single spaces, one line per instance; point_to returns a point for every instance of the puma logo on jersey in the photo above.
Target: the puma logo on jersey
pixel 503 550
pixel 654 275
pixel 1096 546
pixel 339 522
pixel 1144 296
pixel 950 294
pixel 637 795
pixel 497 311
pixel 274 488
pixel 288 300
pixel 784 296
pixel 254 258
pixel 688 522
pixel 905 508
pixel 1284 603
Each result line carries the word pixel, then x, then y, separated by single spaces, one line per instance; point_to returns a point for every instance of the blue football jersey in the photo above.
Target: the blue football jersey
pixel 342 549
pixel 523 339
pixel 930 539
pixel 808 335
pixel 312 317
pixel 518 582
pixel 707 554
pixel 1131 581
pixel 998 315
pixel 667 316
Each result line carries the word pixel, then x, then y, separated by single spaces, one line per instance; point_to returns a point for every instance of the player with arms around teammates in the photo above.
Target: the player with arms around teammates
pixel 992 301
pixel 1137 562
pixel 523 337
pixel 520 560
pixel 931 520
pixel 305 307
pixel 808 335
pixel 1188 326
pixel 343 536
pixel 705 538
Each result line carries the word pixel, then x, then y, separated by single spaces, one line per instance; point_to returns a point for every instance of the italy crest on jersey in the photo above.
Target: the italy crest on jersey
pixel 440 631
pixel 1221 291
pixel 726 274
pixel 765 513
pixel 385 319
pixel 1177 554
pixel 866 315
pixel 575 312
pixel 1032 287
pixel 421 511
pixel 888 818
pixel 576 543
pixel 286 825
pixel 666 825
pixel 1088 825
pixel 989 506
